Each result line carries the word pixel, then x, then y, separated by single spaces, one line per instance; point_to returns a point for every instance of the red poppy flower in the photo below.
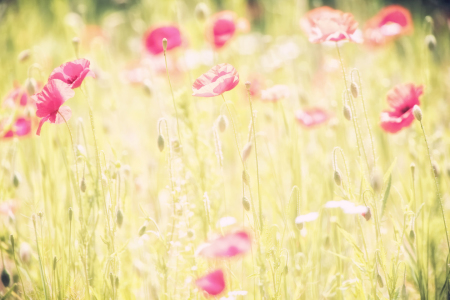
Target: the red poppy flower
pixel 312 117
pixel 325 24
pixel 73 72
pixel 227 246
pixel 401 99
pixel 154 37
pixel 218 80
pixel 212 283
pixel 21 127
pixel 49 101
pixel 222 27
pixel 391 22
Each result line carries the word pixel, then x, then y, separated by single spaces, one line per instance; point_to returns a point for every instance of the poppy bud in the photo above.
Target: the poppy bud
pixel 347 112
pixel 354 89
pixel 164 43
pixel 245 203
pixel 70 214
pixel 24 55
pixel 430 41
pixel 248 84
pixel 16 179
pixel 119 218
pixel 6 279
pixel 83 185
pixel 417 112
pixel 247 150
pixel 160 143
pixel 367 215
pixel 201 11
pixel 376 181
pixel 148 86
pixel 327 243
pixel 117 282
pixel 25 252
pixel 11 239
pixel 380 281
pixel 142 230
pixel 222 123
pixel 246 178
pixel 30 86
pixel 412 235
pixel 337 177
pixel 76 41
pixel 54 263
pixel 40 214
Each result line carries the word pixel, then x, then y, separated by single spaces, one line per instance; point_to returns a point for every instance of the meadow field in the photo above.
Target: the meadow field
pixel 224 149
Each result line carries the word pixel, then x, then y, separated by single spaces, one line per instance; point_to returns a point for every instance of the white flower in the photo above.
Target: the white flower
pixel 306 218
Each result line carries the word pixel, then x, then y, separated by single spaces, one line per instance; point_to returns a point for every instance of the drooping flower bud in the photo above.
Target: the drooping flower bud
pixel 30 86
pixel 347 112
pixel 430 41
pixel 142 230
pixel 83 185
pixel 367 215
pixel 246 178
pixel 201 11
pixel 417 113
pixel 246 151
pixel 160 142
pixel 24 55
pixel 16 179
pixel 380 281
pixel 6 279
pixel 436 170
pixel 222 123
pixel 70 214
pixel 248 85
pixel 245 203
pixel 354 89
pixel 337 177
pixel 119 218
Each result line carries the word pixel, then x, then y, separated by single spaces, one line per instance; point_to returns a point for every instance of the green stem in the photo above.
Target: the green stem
pixel 173 98
pixel 40 259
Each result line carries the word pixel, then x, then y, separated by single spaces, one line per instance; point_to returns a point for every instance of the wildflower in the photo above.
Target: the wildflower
pixel 49 102
pixel 312 117
pixel 154 37
pixel 367 215
pixel 275 93
pixel 226 246
pixel 8 208
pixel 20 128
pixel 347 207
pixel 402 99
pixel 306 218
pixel 390 23
pixel 73 72
pixel 222 27
pixel 226 221
pixel 216 81
pixel 213 283
pixel 325 24
pixel 25 252
pixel 17 95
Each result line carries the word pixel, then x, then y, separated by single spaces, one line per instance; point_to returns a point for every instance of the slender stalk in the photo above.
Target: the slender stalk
pixel 40 259
pixel 438 193
pixel 17 267
pixel 173 98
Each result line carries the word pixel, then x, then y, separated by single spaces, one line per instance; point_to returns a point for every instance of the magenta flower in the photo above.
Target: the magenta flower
pixel 154 37
pixel 401 99
pixel 212 283
pixel 227 246
pixel 73 72
pixel 312 117
pixel 215 82
pixel 49 101
pixel 21 127
pixel 325 24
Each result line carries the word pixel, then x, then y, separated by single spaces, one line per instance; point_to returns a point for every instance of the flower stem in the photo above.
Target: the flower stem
pixel 173 98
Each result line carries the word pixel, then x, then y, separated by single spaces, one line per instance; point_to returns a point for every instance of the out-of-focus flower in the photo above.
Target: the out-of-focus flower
pixel 390 23
pixel 135 74
pixel 275 93
pixel 193 59
pixel 312 117
pixel 401 99
pixel 20 128
pixel 73 72
pixel 306 218
pixel 219 79
pixel 222 27
pixel 154 37
pixel 8 208
pixel 49 102
pixel 213 283
pixel 226 221
pixel 226 246
pixel 25 252
pixel 347 207
pixel 325 24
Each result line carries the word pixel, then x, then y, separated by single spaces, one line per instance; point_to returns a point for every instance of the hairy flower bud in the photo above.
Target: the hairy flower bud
pixel 160 142
pixel 83 185
pixel 142 230
pixel 222 123
pixel 430 41
pixel 6 279
pixel 164 44
pixel 417 113
pixel 337 177
pixel 246 178
pixel 354 89
pixel 248 85
pixel 246 151
pixel 30 86
pixel 16 179
pixel 119 218
pixel 245 203
pixel 347 112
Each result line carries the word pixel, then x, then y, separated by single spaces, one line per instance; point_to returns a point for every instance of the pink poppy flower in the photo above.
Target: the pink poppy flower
pixel 154 37
pixel 215 82
pixel 21 127
pixel 49 102
pixel 275 93
pixel 401 99
pixel 222 27
pixel 256 86
pixel 226 246
pixel 8 208
pixel 73 72
pixel 391 22
pixel 312 117
pixel 325 24
pixel 213 283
